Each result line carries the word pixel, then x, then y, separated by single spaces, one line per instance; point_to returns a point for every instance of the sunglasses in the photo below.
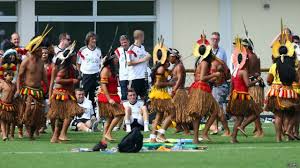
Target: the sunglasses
pixel 68 39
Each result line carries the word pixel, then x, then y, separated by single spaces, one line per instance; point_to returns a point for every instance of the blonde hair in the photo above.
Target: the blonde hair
pixel 137 33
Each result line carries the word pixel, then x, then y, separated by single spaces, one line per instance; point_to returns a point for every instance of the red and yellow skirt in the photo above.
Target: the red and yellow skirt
pixel 31 106
pixel 7 112
pixel 281 98
pixel 63 105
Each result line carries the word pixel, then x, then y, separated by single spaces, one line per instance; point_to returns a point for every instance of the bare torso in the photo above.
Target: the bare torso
pixel 34 72
pixel 179 72
pixel 7 90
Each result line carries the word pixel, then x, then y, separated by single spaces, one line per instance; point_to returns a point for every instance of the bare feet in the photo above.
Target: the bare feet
pixel 258 134
pixel 206 138
pixel 242 131
pixel 226 134
pixel 234 141
pixel 4 138
pixel 63 138
pixel 109 137
pixel 187 133
pixel 54 140
pixel 195 141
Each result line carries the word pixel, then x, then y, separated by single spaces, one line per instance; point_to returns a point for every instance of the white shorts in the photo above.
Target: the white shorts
pixel 139 119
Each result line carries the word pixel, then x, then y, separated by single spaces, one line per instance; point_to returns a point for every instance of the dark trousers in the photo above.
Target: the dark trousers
pixel 124 89
pixel 90 83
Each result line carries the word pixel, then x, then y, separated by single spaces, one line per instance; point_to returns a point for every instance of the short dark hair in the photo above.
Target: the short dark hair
pixel 88 36
pixel 215 33
pixel 62 36
pixel 79 90
pixel 130 90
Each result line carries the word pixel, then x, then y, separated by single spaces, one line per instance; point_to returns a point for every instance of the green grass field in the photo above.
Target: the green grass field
pixel 250 152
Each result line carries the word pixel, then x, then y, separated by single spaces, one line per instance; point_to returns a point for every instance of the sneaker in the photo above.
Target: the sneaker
pixel 116 129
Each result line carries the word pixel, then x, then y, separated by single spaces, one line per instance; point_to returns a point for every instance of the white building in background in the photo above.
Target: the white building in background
pixel 180 21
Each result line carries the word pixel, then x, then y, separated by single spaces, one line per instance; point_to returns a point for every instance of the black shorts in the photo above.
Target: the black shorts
pixel 139 85
pixel 75 122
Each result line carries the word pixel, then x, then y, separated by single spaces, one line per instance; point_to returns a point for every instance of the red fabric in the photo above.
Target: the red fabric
pixel 117 53
pixel 132 52
pixel 48 73
pixel 201 85
pixel 102 98
pixel 239 84
pixel 112 88
pixel 81 55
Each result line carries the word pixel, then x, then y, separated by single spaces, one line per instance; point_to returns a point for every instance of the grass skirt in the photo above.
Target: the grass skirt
pixel 7 112
pixel 108 110
pixel 242 104
pixel 281 98
pixel 257 93
pixel 31 111
pixel 63 105
pixel 180 100
pixel 160 101
pixel 201 103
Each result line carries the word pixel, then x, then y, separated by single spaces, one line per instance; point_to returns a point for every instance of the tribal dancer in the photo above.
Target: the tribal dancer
pixel 108 98
pixel 241 104
pixel 281 98
pixel 256 91
pixel 7 108
pixel 160 99
pixel 63 105
pixel 179 94
pixel 31 73
pixel 201 102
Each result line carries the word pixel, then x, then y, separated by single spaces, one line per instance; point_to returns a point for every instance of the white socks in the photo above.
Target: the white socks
pixel 161 131
pixel 128 127
pixel 146 126
pixel 152 136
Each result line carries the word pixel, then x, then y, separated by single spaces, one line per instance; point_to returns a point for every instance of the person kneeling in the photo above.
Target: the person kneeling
pixel 87 121
pixel 136 113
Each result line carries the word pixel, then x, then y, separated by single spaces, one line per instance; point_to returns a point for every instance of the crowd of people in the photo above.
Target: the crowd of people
pixel 41 82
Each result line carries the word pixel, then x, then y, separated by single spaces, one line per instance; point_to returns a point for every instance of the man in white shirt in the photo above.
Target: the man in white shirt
pixel 88 63
pixel 136 113
pixel 122 54
pixel 87 120
pixel 217 50
pixel 64 42
pixel 137 64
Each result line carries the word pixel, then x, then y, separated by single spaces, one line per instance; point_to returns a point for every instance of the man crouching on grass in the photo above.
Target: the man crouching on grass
pixel 136 113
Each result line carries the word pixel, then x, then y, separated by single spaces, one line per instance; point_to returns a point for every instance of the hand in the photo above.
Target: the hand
pixel 217 74
pixel 111 101
pixel 75 81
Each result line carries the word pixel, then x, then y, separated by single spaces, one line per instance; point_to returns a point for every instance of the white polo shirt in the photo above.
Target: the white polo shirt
pixel 135 108
pixel 137 71
pixel 89 60
pixel 123 66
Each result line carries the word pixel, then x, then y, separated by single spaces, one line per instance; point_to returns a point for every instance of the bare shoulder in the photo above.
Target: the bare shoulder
pixel 160 70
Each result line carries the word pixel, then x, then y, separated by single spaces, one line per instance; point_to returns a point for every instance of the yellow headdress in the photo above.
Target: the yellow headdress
pixel 283 42
pixel 239 51
pixel 202 42
pixel 160 52
pixel 36 42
